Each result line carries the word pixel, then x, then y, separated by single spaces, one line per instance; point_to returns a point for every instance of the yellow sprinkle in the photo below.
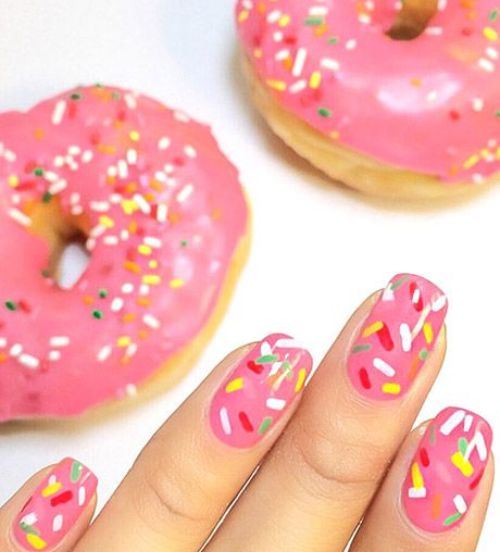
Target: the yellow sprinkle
pixel 373 328
pixel 490 34
pixel 428 332
pixel 36 542
pixel 284 20
pixel 391 388
pixel 315 80
pixel 473 160
pixel 277 85
pixel 416 475
pixel 129 206
pixel 124 341
pixel 151 279
pixel 462 464
pixel 106 221
pixel 133 267
pixel 243 16
pixel 52 489
pixel 144 249
pixel 13 181
pixel 177 283
pixel 134 136
pixel 153 264
pixel 300 380
pixel 234 385
pixel 258 53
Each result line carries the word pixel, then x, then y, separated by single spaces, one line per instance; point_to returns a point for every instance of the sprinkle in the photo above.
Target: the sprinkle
pixel 265 425
pixel 162 212
pixel 131 101
pixel 315 80
pixel 98 314
pixel 104 353
pixel 452 519
pixel 59 341
pixel 301 378
pixel 11 305
pixel 54 356
pixel 164 143
pixel 29 361
pixel 143 205
pixel 324 112
pixel 57 523
pixel 462 464
pixel 58 113
pixel 152 242
pixel 490 34
pixel 406 337
pixel 276 85
pixel 275 404
pixel 384 367
pixel 151 321
pixel 331 64
pixel 177 283
pixel 224 420
pixel 19 217
pixel 487 65
pixel 134 136
pixel 452 422
pixel 234 385
pixel 185 193
pixel 428 333
pixel 131 156
pixel 300 61
pixel 124 341
pixel 16 350
pixel 373 328
pixel 127 288
pixel 460 504
pixel 122 169
pixel 151 279
pixel 391 388
pixel 190 152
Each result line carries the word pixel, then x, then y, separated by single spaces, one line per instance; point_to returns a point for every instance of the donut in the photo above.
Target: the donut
pixel 163 217
pixel 395 99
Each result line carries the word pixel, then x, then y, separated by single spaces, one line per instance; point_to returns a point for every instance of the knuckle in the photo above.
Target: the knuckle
pixel 336 458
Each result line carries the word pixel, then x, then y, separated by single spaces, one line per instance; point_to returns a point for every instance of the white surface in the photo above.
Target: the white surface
pixel 317 250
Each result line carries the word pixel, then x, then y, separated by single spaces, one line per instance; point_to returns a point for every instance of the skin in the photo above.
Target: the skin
pixel 333 459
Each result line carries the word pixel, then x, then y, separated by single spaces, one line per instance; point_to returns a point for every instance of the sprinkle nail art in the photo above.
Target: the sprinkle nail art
pixel 397 337
pixel 445 474
pixel 259 390
pixel 55 506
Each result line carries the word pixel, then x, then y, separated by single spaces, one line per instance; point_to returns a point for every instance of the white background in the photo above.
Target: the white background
pixel 318 250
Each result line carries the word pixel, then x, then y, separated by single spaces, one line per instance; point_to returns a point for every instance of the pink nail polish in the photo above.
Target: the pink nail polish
pixel 55 506
pixel 397 337
pixel 258 391
pixel 446 472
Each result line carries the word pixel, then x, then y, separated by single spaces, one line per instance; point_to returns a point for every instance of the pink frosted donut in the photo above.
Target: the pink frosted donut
pixel 162 214
pixel 412 117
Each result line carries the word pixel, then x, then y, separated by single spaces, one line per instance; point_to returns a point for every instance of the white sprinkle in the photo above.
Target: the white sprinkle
pixel 30 519
pixel 132 156
pixel 74 198
pixel 9 156
pixel 274 16
pixel 278 36
pixel 351 44
pixel 151 321
pixel 406 337
pixel 298 86
pixel 87 156
pixel 282 55
pixel 143 205
pixel 478 104
pixel 50 176
pixel 417 493
pixel 59 341
pixel 19 217
pixel 58 187
pixel 164 143
pixel 469 419
pixel 487 65
pixel 57 523
pixel 162 212
pixel 332 64
pixel 112 171
pixel 131 390
pixel 182 117
pixel 275 404
pixel 388 294
pixel 117 304
pixel 460 504
pixel 74 150
pixel 477 442
pixel 492 53
pixel 99 206
pixel 77 210
pixel 432 96
pixel 131 350
pixel 111 240
pixel 54 356
pixel 452 423
pixel 16 350
pixel 29 361
pixel 318 11
pixel 127 288
pixel 438 303
pixel 82 496
pixel 131 101
pixel 104 353
pixel 169 168
pixel 58 161
pixel 190 151
pixel 3 342
pixel 383 367
pixel 152 242
pixel 224 420
pixel 365 19
pixel 122 169
pixel 124 235
pixel 185 193
pixel 434 31
pixel 300 61
pixel 58 113
pixel 144 289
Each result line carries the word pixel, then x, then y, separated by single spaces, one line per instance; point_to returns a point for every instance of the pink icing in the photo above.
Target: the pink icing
pixel 430 104
pixel 165 212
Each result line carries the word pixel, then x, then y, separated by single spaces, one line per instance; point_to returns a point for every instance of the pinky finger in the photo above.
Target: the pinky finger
pixel 51 511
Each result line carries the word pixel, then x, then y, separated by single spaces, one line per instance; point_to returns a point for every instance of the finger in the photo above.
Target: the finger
pixel 191 470
pixel 326 468
pixel 437 501
pixel 51 511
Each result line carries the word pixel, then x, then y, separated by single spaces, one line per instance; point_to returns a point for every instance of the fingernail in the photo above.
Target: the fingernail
pixel 55 506
pixel 397 337
pixel 445 474
pixel 257 393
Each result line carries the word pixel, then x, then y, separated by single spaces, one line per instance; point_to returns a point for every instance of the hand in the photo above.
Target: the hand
pixel 329 455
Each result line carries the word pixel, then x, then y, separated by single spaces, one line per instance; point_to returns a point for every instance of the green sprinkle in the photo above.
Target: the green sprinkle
pixel 45 273
pixel 333 40
pixel 11 305
pixel 452 519
pixel 116 95
pixel 76 471
pixel 286 367
pixel 361 348
pixel 76 96
pixel 184 243
pixel 462 445
pixel 38 171
pixel 424 353
pixel 313 21
pixel 98 314
pixel 398 283
pixel 47 196
pixel 494 15
pixel 432 435
pixel 497 113
pixel 266 359
pixel 103 293
pixel 264 426
pixel 325 112
pixel 29 529
pixel 99 85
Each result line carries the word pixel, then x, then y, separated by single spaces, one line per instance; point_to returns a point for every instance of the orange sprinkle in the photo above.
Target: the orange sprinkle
pixel 106 149
pixel 87 299
pixel 3 356
pixel 133 267
pixel 156 185
pixel 174 218
pixel 132 227
pixel 144 301
pixel 129 317
pixel 143 334
pixel 436 506
pixel 39 134
pixel 216 214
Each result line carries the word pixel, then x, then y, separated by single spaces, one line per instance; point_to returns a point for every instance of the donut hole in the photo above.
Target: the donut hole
pixel 66 236
pixel 413 19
